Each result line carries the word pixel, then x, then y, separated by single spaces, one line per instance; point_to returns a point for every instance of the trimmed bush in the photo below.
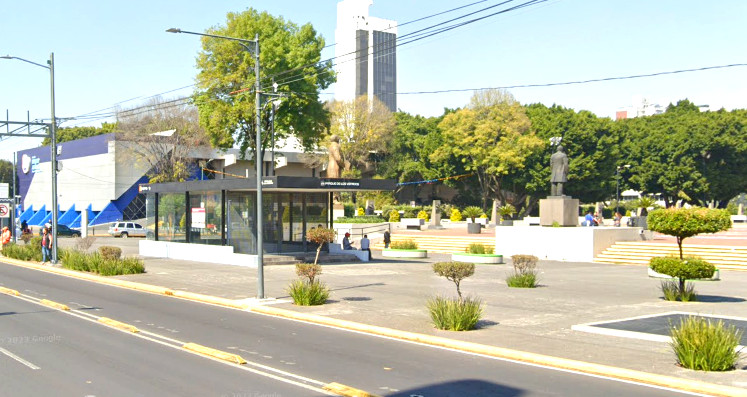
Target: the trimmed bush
pixel 361 219
pixel 682 270
pixel 84 243
pixel 476 248
pixel 308 294
pixel 454 272
pixel 404 245
pixel 98 263
pixel 525 273
pixel 424 215
pixel 518 280
pixel 110 253
pixel 394 216
pixel 455 216
pixel 308 270
pixel 687 222
pixel 320 236
pixel 704 345
pixel 360 211
pixel 455 314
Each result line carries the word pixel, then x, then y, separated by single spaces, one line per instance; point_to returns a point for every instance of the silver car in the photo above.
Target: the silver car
pixel 126 229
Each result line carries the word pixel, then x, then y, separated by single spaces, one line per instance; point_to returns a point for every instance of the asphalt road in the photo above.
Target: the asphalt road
pixel 292 353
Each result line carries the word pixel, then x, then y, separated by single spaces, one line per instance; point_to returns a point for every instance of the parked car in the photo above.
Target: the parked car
pixel 63 230
pixel 126 229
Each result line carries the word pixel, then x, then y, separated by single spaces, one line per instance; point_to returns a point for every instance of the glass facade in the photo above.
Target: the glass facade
pixel 385 68
pixel 172 217
pixel 206 218
pixel 240 226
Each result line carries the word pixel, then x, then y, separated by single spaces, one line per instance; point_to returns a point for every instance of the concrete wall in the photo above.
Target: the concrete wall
pixel 196 252
pixel 579 244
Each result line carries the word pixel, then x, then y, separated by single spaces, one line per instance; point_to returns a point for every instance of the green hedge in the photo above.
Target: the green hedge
pixel 361 219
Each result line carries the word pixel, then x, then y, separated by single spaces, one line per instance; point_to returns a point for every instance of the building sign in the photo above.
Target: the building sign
pixel 25 163
pixel 198 218
pixel 340 183
pixel 35 168
pixel 143 188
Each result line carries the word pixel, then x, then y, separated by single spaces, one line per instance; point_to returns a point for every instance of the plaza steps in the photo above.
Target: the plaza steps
pixel 627 252
pixel 439 244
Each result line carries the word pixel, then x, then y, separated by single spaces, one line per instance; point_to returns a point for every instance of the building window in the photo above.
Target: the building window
pixel 172 217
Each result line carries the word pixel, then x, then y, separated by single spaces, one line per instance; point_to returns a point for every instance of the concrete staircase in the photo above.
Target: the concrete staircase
pixel 440 244
pixel 723 257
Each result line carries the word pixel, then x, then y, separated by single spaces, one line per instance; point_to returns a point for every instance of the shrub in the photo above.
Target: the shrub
pixel 26 237
pixel 26 252
pixel 424 215
pixel 476 248
pixel 308 294
pixel 84 243
pixel 348 210
pixel 308 270
pixel 361 219
pixel 682 270
pixel 472 212
pixel 98 263
pixel 687 222
pixel 404 245
pixel 360 211
pixel 518 280
pixel 525 273
pixel 670 290
pixel 320 236
pixel 455 314
pixel 506 211
pixel 455 216
pixel 394 216
pixel 703 345
pixel 454 272
pixel 410 212
pixel 110 253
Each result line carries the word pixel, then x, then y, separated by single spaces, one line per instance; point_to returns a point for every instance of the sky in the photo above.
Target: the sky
pixel 111 53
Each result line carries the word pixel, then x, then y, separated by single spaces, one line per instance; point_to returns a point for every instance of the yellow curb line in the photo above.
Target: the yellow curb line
pixel 516 355
pixel 208 351
pixel 347 391
pixel 117 324
pixel 56 305
pixel 9 291
pixel 208 299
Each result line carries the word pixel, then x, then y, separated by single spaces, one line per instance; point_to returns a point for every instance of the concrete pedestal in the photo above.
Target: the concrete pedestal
pixel 560 209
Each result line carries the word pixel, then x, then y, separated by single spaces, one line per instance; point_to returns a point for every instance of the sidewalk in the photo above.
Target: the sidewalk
pixel 393 294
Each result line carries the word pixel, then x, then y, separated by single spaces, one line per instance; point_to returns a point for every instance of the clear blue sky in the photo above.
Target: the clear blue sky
pixel 107 52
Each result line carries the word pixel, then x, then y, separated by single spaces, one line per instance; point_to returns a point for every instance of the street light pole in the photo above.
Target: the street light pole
pixel 258 152
pixel 53 137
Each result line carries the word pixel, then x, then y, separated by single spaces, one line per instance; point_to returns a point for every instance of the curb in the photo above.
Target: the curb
pixel 470 347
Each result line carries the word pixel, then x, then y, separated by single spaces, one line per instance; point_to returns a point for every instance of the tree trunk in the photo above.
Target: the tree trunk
pixel 679 245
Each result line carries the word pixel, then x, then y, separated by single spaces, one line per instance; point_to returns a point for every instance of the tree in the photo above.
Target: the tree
pixel 687 222
pixel 166 138
pixel 320 236
pixel 6 172
pixel 454 272
pixel 492 138
pixel 364 127
pixel 66 134
pixel 289 55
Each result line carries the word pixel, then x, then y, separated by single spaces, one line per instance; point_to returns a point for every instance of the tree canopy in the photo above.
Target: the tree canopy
pixel 224 93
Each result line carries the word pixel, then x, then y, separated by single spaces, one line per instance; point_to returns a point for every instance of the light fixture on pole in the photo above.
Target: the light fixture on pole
pixel 257 159
pixel 617 186
pixel 53 137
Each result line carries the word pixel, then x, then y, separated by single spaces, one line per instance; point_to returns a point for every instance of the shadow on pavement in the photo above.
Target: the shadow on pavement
pixel 467 387
pixel 718 299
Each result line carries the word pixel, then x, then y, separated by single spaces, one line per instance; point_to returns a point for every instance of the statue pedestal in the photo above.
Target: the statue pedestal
pixel 560 209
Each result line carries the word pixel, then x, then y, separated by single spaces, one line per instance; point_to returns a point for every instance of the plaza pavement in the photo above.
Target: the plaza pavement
pixel 392 293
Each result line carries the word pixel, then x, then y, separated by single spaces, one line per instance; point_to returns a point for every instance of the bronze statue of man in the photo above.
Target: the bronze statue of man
pixel 559 171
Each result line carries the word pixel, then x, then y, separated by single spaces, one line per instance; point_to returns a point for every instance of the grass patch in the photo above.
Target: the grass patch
pixel 97 263
pixel 671 291
pixel 476 248
pixel 361 219
pixel 455 314
pixel 305 293
pixel 522 280
pixel 30 251
pixel 404 245
pixel 704 345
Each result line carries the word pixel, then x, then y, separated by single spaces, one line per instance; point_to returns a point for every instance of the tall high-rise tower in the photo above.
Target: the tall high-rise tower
pixel 366 54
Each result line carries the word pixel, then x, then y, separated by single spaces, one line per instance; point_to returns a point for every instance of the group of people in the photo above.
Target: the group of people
pixel 598 220
pixel 365 244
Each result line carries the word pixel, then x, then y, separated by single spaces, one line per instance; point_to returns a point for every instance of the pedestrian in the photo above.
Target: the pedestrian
pixel 5 236
pixel 589 219
pixel 365 245
pixel 618 219
pixel 346 242
pixel 46 244
pixel 387 239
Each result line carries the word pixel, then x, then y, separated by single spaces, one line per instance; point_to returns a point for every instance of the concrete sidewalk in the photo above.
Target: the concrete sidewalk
pixel 393 294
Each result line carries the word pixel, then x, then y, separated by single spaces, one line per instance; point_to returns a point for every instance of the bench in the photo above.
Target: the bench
pixel 412 223
pixel 336 248
pixel 739 218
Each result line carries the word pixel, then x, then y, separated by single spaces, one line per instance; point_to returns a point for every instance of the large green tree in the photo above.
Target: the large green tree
pixel 289 55
pixel 492 137
pixel 6 172
pixel 66 134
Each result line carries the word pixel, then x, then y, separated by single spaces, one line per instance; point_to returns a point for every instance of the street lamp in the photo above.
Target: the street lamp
pixel 53 136
pixel 257 160
pixel 617 186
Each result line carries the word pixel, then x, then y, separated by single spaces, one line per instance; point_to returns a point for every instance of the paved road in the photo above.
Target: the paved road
pixel 114 361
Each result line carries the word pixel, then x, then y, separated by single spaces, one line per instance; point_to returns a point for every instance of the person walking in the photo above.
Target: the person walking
pixel 387 239
pixel 46 244
pixel 5 236
pixel 366 245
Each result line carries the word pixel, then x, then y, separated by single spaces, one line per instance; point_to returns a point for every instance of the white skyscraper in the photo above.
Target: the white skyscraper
pixel 366 55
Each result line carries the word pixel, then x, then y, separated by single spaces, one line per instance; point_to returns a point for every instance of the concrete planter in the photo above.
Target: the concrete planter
pixel 474 228
pixel 507 222
pixel 716 276
pixel 395 253
pixel 489 259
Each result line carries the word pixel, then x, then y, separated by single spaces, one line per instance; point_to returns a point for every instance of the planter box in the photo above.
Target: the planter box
pixel 395 253
pixel 491 259
pixel 474 228
pixel 716 276
pixel 507 222
pixel 412 223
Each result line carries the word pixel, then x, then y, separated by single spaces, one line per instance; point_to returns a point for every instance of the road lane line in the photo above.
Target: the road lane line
pixel 219 354
pixel 9 291
pixel 117 324
pixel 19 359
pixel 47 302
pixel 347 391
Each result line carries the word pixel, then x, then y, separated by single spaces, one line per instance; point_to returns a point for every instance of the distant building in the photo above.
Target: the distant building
pixel 365 49
pixel 641 107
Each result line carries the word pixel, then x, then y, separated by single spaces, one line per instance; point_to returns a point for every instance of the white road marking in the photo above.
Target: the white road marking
pixel 19 359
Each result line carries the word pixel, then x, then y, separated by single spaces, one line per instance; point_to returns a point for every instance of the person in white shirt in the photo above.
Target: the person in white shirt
pixel 365 245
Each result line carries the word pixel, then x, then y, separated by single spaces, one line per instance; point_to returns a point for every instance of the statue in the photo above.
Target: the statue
pixel 559 171
pixel 335 157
